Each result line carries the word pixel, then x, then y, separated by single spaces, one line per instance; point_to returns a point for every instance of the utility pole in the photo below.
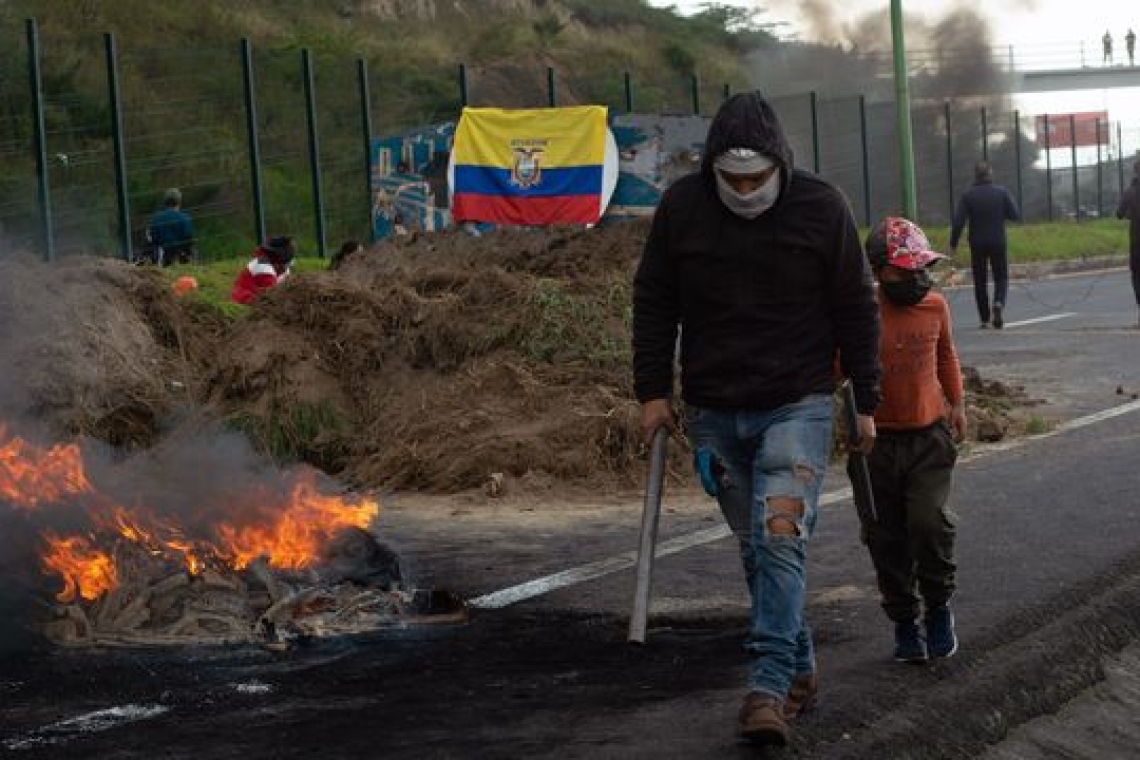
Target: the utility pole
pixel 902 108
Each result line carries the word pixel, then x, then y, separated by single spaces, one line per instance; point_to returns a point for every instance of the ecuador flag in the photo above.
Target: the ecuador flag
pixel 535 166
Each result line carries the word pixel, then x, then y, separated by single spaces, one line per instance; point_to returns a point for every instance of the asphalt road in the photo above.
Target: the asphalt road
pixel 1049 603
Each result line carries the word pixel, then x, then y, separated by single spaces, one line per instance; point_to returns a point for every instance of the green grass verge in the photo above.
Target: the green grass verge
pixel 1055 241
pixel 1050 241
pixel 216 279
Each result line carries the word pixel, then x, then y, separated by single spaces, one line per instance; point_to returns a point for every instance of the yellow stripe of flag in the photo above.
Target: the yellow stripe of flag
pixel 568 136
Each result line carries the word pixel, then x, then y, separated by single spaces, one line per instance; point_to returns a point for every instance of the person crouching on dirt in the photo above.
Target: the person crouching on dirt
pixel 347 248
pixel 919 422
pixel 270 264
pixel 757 265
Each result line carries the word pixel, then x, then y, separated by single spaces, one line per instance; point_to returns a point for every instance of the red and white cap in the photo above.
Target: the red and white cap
pixel 901 243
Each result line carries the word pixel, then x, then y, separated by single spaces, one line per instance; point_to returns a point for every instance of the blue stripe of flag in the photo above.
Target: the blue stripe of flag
pixel 492 180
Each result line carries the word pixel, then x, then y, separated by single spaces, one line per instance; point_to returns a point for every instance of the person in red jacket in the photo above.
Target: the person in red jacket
pixel 921 419
pixel 269 265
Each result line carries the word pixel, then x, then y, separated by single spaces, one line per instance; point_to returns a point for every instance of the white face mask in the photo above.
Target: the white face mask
pixel 749 205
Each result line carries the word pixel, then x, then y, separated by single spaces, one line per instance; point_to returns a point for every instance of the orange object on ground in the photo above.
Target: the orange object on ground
pixel 184 285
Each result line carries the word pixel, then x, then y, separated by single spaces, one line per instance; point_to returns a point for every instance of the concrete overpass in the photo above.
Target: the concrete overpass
pixel 1083 78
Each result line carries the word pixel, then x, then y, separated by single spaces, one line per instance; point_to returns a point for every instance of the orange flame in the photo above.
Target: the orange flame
pixel 31 476
pixel 294 539
pixel 195 564
pixel 86 571
pixel 157 538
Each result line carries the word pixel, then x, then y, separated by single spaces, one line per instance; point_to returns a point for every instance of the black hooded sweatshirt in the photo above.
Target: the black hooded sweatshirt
pixel 763 303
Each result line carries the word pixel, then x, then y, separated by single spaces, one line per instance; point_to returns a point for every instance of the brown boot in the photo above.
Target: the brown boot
pixel 762 719
pixel 801 695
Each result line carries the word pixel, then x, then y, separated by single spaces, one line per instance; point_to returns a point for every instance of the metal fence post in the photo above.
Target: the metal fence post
pixel 628 92
pixel 814 103
pixel 1119 159
pixel 902 113
pixel 949 158
pixel 985 136
pixel 1048 165
pixel 551 92
pixel 463 95
pixel 1017 158
pixel 120 155
pixel 366 133
pixel 695 93
pixel 252 141
pixel 1073 155
pixel 314 148
pixel 1099 175
pixel 40 141
pixel 866 160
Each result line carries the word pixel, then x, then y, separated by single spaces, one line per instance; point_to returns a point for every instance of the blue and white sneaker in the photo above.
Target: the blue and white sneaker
pixel 909 644
pixel 941 641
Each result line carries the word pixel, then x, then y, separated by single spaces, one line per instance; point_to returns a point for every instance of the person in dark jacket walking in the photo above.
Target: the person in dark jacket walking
pixel 1129 209
pixel 758 266
pixel 985 208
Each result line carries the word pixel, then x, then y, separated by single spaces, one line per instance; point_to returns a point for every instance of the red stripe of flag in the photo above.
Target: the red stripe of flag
pixel 498 209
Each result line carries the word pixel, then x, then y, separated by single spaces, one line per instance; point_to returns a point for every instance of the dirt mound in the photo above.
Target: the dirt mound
pixel 997 410
pixel 440 363
pixel 437 362
pixel 564 252
pixel 93 347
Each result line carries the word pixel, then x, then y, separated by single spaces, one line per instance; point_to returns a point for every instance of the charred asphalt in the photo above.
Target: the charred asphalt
pixel 1049 589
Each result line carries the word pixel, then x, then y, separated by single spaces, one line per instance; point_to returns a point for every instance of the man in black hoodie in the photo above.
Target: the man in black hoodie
pixel 1129 209
pixel 986 207
pixel 758 264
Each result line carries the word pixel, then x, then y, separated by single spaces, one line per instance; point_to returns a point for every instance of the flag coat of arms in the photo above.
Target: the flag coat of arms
pixel 529 167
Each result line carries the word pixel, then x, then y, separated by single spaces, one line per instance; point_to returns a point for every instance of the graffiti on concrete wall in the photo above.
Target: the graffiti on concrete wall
pixel 409 170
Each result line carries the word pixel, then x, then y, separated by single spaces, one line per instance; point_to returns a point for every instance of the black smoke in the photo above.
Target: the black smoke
pixel 20 585
pixel 957 81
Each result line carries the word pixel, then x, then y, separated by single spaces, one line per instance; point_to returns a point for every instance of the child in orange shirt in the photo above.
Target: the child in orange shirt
pixel 919 422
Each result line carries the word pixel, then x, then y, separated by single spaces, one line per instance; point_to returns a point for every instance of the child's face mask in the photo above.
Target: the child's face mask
pixel 908 287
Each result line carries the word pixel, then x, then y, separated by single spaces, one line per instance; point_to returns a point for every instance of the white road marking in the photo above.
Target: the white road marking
pixel 1039 320
pixel 1080 422
pixel 618 562
pixel 593 570
pixel 88 723
pixel 253 687
pixel 1096 417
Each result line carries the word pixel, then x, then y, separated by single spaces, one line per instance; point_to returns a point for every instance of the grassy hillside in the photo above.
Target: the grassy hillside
pixel 184 113
pixel 413 59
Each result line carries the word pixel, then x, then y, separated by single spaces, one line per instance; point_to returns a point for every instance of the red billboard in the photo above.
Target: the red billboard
pixel 1058 130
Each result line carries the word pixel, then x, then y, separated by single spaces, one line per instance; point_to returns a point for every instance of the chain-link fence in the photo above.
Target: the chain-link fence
pixel 275 141
pixel 854 143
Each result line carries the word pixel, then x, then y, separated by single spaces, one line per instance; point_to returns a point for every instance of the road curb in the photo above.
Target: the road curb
pixel 1040 269
pixel 961 277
